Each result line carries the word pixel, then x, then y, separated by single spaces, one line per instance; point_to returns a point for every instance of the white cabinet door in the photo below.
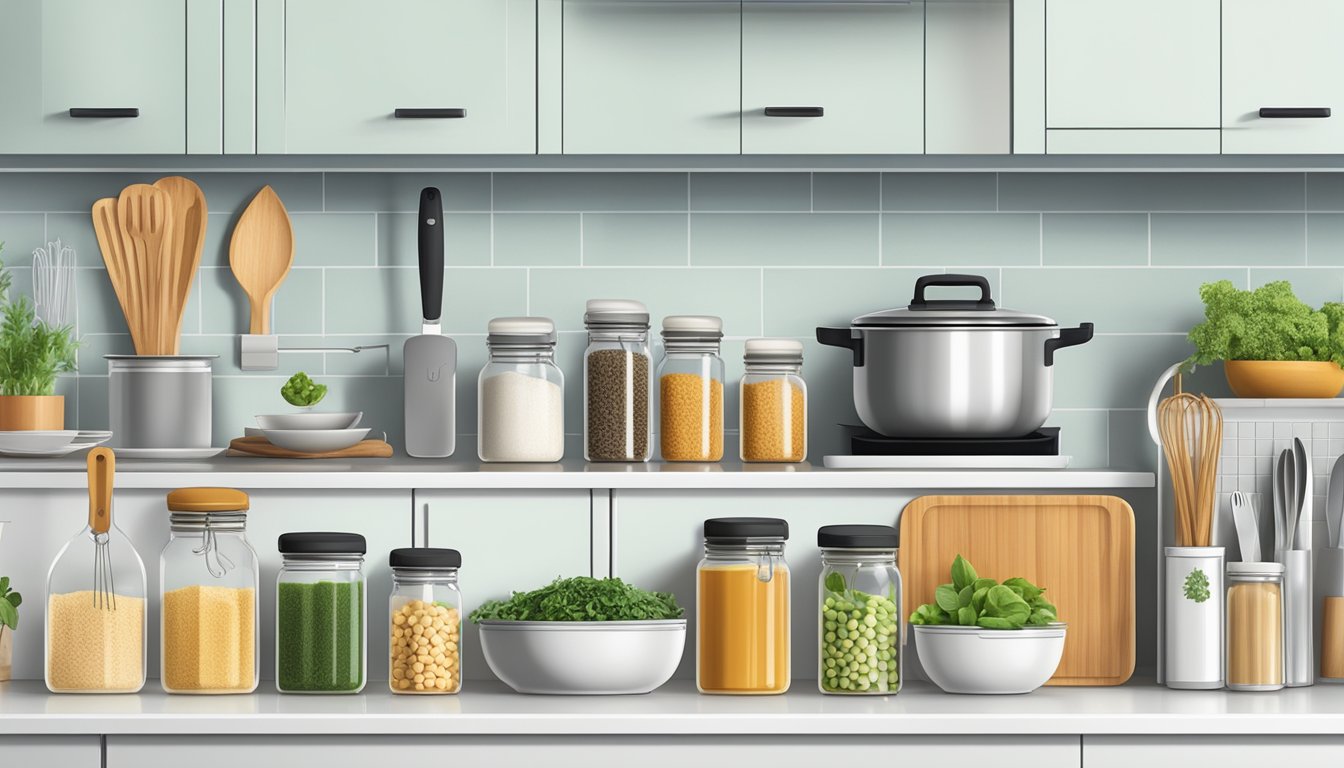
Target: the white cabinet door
pixel 853 74
pixel 65 751
pixel 1283 71
pixel 1222 751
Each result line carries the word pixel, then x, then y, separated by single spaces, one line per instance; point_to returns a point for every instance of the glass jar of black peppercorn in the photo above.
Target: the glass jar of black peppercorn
pixel 617 386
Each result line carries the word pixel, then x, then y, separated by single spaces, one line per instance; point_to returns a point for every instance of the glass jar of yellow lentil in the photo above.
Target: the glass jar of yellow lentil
pixel 773 402
pixel 208 575
pixel 425 621
pixel 690 389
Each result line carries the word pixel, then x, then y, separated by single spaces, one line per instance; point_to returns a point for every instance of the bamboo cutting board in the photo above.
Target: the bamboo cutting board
pixel 1080 548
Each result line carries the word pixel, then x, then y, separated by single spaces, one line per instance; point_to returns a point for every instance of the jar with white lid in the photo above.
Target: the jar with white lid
pixel 1255 631
pixel 425 621
pixel 690 389
pixel 617 382
pixel 773 402
pixel 520 414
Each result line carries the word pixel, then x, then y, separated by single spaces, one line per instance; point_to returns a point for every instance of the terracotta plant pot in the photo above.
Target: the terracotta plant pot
pixel 1283 378
pixel 28 412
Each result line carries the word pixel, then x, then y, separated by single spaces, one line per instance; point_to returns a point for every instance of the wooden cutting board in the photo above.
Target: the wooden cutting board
pixel 1080 548
pixel 262 448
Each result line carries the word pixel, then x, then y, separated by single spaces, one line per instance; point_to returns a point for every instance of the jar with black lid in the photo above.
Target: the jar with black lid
pixel 320 643
pixel 425 621
pixel 859 606
pixel 742 607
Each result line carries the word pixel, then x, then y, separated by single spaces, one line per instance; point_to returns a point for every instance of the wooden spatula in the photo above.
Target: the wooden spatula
pixel 144 215
pixel 107 230
pixel 260 253
pixel 183 252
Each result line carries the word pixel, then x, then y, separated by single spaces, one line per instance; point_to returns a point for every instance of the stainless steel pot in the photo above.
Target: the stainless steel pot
pixel 951 367
pixel 160 401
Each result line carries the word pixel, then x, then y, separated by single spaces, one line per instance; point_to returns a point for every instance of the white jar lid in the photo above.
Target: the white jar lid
pixel 784 351
pixel 510 326
pixel 615 314
pixel 615 305
pixel 1255 569
pixel 706 324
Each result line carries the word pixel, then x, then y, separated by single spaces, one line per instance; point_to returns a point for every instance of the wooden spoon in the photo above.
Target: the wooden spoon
pixel 183 251
pixel 260 253
pixel 144 214
pixel 118 270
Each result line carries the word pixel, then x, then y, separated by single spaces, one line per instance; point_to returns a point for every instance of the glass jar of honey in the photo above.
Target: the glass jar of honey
pixel 742 607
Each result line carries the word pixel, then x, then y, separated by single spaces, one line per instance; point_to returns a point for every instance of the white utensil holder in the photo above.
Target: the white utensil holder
pixel 1194 599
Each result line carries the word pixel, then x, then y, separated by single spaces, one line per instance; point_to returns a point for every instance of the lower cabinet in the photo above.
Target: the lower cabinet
pixel 1249 751
pixel 65 751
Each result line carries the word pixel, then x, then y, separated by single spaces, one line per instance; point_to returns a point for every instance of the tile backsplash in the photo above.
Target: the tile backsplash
pixel 773 253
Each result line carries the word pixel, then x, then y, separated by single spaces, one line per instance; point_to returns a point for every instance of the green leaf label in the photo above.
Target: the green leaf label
pixel 1196 586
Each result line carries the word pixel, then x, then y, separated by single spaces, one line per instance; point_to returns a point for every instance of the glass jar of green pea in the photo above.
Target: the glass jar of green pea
pixel 859 607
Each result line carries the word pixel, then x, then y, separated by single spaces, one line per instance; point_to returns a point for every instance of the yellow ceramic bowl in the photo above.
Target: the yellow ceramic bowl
pixel 1283 378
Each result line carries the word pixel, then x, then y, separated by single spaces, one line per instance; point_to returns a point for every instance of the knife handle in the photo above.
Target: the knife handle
pixel 431 253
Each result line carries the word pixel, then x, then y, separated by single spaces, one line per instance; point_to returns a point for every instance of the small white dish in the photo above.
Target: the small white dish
pixel 167 453
pixel 310 420
pixel 583 657
pixel 49 442
pixel 989 661
pixel 315 440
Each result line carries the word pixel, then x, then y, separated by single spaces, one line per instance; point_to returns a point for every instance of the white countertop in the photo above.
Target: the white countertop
pixel 402 472
pixel 491 709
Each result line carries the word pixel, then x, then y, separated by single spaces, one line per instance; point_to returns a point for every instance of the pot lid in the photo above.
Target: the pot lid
pixel 980 311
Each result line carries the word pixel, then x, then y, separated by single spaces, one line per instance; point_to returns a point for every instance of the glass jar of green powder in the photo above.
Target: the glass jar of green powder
pixel 320 643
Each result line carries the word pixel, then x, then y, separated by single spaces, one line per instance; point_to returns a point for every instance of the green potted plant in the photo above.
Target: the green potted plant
pixel 31 356
pixel 9 622
pixel 1271 344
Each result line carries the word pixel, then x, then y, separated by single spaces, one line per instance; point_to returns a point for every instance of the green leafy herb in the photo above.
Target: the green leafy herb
pixel 1268 323
pixel 1014 604
pixel 1197 586
pixel 9 605
pixel 302 391
pixel 31 352
pixel 581 599
pixel 835 582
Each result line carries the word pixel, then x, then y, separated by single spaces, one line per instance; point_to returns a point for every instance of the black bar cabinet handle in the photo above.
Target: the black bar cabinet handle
pixel 1294 111
pixel 985 302
pixel 1068 337
pixel 845 338
pixel 795 112
pixel 104 112
pixel 431 113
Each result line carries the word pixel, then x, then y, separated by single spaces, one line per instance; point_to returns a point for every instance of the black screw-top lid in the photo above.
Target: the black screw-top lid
pixel 429 558
pixel 746 528
pixel 322 543
pixel 858 537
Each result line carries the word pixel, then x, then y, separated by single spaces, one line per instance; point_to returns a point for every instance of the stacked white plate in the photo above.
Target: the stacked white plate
pixel 313 432
pixel 49 443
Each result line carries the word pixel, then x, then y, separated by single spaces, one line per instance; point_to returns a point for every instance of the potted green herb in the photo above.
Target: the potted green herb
pixel 9 621
pixel 31 356
pixel 1270 342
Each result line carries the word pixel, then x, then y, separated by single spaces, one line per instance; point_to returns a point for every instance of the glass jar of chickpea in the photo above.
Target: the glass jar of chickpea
pixel 425 621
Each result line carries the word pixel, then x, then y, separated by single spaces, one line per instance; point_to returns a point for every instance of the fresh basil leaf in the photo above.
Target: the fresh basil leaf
pixel 979 584
pixel 963 574
pixel 835 582
pixel 4 584
pixel 946 597
pixel 1028 590
pixel 15 599
pixel 993 622
pixel 8 615
pixel 1003 602
pixel 978 599
pixel 964 596
pixel 966 616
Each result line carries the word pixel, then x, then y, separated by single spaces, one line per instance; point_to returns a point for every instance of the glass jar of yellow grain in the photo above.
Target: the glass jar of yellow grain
pixel 425 616
pixel 773 402
pixel 742 607
pixel 690 389
pixel 208 575
pixel 1254 627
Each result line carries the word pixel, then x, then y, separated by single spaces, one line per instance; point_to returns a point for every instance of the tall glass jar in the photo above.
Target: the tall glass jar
pixel 742 607
pixel 859 605
pixel 320 644
pixel 773 402
pixel 425 621
pixel 208 576
pixel 1255 657
pixel 617 385
pixel 690 389
pixel 521 393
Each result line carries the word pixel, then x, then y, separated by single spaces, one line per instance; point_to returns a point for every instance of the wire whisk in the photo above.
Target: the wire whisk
pixel 54 284
pixel 104 586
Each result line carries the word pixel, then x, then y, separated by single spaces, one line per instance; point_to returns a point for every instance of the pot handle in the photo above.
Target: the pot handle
pixel 843 337
pixel 984 303
pixel 1068 337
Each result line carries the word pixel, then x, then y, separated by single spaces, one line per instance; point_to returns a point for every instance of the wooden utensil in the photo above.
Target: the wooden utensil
pixel 183 252
pixel 260 253
pixel 1080 548
pixel 1332 639
pixel 1191 427
pixel 144 215
pixel 262 448
pixel 116 260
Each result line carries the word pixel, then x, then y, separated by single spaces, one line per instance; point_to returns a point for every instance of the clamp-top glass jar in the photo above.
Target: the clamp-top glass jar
pixel 425 610
pixel 859 602
pixel 617 386
pixel 320 644
pixel 742 607
pixel 690 387
pixel 521 393
pixel 773 402
pixel 208 576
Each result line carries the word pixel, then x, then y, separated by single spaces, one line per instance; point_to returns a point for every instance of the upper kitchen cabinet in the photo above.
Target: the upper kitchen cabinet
pixel 651 77
pixel 1283 77
pixel 396 76
pixel 829 77
pixel 94 77
pixel 1138 77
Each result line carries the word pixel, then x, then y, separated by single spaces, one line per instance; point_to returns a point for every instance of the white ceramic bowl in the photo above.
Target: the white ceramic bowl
pixel 583 657
pixel 310 420
pixel 315 440
pixel 976 660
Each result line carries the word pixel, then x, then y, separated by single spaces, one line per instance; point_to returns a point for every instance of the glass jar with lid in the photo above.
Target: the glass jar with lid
pixel 690 389
pixel 208 575
pixel 1255 640
pixel 742 607
pixel 859 607
pixel 320 644
pixel 773 402
pixel 425 616
pixel 617 382
pixel 521 393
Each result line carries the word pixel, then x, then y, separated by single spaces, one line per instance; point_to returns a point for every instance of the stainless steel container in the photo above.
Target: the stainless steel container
pixel 160 401
pixel 953 368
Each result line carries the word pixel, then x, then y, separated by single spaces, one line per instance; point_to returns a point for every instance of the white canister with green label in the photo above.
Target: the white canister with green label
pixel 1194 598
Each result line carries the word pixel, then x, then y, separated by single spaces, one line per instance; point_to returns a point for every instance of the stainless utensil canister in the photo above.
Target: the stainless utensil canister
pixel 1299 645
pixel 160 401
pixel 1194 597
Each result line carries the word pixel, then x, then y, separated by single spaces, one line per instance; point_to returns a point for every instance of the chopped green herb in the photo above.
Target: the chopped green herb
pixel 302 391
pixel 581 598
